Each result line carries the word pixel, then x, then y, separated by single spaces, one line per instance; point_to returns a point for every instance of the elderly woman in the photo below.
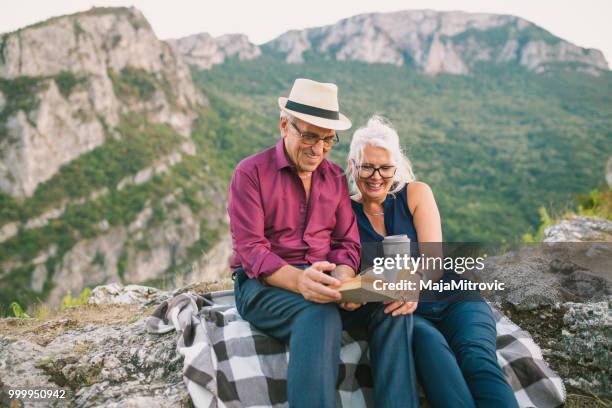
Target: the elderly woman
pixel 454 342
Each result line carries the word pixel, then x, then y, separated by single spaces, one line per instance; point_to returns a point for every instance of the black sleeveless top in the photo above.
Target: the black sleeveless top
pixel 398 221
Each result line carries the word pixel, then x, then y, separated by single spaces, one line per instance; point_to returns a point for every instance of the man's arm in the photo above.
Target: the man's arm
pixel 245 209
pixel 247 226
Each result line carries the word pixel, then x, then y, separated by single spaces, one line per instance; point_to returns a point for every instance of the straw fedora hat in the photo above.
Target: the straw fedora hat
pixel 316 103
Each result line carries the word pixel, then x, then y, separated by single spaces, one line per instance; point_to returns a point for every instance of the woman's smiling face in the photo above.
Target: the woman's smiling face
pixel 375 188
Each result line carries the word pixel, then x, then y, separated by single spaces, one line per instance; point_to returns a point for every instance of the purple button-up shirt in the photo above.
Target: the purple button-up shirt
pixel 273 224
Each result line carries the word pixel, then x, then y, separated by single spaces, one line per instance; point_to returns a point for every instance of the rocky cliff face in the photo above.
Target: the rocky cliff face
pixel 451 42
pixel 71 66
pixel 561 292
pixel 98 159
pixel 204 50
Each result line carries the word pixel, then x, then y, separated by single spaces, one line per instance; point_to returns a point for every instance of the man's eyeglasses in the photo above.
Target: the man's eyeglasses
pixel 311 139
pixel 366 171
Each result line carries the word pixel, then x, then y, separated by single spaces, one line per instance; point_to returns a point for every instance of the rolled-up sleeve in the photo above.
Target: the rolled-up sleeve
pixel 246 214
pixel 345 245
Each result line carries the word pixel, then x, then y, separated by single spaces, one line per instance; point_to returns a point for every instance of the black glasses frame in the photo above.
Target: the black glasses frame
pixel 374 170
pixel 308 138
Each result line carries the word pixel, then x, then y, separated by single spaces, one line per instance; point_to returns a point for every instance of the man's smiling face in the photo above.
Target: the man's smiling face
pixel 304 157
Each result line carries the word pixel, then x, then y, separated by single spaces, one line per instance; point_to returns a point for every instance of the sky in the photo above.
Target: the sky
pixel 585 22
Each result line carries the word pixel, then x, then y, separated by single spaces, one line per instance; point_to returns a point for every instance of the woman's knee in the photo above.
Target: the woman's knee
pixel 426 336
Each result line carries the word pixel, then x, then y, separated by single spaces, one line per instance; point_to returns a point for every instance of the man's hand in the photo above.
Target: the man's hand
pixel 344 272
pixel 317 286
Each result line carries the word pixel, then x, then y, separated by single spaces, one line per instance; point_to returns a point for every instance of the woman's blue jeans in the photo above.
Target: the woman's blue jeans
pixel 313 333
pixel 454 350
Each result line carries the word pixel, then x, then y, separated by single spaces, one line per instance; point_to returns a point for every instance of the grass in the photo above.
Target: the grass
pixel 68 301
pixel 53 323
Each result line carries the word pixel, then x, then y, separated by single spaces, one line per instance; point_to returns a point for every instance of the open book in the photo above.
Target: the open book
pixel 362 288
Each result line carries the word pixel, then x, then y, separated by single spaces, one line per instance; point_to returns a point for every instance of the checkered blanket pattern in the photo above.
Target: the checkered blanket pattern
pixel 228 363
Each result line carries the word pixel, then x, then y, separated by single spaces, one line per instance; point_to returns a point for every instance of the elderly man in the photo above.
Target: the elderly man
pixel 295 238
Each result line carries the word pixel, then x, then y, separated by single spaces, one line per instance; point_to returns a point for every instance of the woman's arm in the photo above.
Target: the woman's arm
pixel 426 216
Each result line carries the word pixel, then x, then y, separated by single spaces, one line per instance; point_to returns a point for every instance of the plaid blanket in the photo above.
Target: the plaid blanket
pixel 228 363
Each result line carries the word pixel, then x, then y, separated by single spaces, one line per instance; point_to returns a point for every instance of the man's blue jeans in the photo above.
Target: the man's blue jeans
pixel 454 349
pixel 313 333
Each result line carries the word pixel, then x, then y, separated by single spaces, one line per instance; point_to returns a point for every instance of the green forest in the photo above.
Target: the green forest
pixel 495 146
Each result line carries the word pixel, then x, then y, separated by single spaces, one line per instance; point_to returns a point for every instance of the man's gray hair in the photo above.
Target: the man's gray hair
pixel 380 133
pixel 286 115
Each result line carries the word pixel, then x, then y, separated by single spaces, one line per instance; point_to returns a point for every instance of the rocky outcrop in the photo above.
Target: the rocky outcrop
pixel 577 229
pixel 560 291
pixel 452 42
pixel 100 353
pixel 72 68
pixel 204 51
pixel 99 365
pixel 117 294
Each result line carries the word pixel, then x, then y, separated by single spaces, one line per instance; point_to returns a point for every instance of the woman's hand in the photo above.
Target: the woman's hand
pixel 400 307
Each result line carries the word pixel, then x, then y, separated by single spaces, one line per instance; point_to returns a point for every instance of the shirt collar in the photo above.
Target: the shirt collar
pixel 281 157
pixel 282 161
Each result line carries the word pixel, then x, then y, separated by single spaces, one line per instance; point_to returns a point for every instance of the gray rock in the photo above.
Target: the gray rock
pixel 115 293
pixel 546 274
pixel 61 127
pixel 578 228
pixel 101 366
pixel 205 51
pixel 561 291
pixel 586 341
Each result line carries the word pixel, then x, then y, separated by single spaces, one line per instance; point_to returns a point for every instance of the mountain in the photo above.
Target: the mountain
pixel 451 42
pixel 68 80
pixel 116 148
pixel 203 50
pixel 107 171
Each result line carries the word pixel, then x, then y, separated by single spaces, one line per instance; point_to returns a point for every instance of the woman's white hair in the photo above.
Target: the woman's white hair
pixel 380 133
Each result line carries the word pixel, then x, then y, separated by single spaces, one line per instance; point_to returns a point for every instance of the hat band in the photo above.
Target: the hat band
pixel 311 110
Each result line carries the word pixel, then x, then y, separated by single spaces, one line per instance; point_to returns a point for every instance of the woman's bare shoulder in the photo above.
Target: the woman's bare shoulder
pixel 418 188
pixel 418 192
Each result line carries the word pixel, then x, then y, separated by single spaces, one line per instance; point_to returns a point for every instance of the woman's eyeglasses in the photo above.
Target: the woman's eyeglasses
pixel 311 139
pixel 366 171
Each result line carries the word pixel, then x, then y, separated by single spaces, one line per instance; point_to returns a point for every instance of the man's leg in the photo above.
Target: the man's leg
pixel 437 368
pixel 390 343
pixel 469 328
pixel 312 331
